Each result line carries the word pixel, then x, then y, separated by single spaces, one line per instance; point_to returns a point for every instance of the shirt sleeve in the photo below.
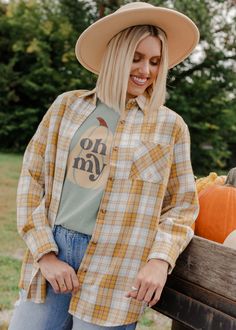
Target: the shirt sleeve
pixel 180 206
pixel 32 221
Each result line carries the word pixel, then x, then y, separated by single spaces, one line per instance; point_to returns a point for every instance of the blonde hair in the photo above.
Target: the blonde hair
pixel 113 78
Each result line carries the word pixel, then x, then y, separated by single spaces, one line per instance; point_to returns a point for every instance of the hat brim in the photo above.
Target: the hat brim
pixel 182 34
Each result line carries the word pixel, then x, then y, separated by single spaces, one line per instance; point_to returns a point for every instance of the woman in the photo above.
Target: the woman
pixel 106 196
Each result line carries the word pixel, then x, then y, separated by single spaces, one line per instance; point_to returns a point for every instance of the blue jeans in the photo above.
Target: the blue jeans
pixel 53 314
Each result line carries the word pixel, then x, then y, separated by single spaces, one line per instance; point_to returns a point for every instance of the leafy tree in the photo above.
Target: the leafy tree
pixel 37 41
pixel 37 63
pixel 202 88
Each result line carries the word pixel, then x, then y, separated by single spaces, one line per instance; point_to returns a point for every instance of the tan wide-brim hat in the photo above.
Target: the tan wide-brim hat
pixel 182 33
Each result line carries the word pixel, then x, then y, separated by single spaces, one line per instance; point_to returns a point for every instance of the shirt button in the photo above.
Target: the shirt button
pixel 103 211
pixel 122 122
pixel 115 148
pixel 129 106
pixel 111 179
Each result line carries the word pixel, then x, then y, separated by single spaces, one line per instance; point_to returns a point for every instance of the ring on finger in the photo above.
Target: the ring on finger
pixel 133 288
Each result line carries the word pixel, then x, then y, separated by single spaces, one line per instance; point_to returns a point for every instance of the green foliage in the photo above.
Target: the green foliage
pixel 37 41
pixel 37 63
pixel 202 88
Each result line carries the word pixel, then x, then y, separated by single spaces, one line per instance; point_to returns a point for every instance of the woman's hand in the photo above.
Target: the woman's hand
pixel 150 282
pixel 59 274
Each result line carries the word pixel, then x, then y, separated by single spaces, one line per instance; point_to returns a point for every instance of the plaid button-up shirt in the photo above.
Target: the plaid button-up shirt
pixel 146 212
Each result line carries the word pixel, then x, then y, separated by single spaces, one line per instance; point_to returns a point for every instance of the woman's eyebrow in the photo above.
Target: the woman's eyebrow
pixel 141 54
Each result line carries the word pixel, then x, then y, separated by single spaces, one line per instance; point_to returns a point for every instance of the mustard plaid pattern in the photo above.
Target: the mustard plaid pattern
pixel 146 211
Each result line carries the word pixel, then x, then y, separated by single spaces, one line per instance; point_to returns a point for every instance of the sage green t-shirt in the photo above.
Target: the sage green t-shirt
pixel 87 170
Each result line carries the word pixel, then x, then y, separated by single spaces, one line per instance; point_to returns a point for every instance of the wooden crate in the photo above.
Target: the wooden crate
pixel 201 291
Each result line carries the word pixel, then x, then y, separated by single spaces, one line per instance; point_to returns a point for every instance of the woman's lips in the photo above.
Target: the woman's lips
pixel 138 81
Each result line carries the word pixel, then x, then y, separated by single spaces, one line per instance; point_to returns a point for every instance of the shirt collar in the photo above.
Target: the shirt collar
pixel 90 96
pixel 142 100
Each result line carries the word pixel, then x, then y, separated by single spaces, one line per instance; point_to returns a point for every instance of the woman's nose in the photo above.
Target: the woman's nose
pixel 144 68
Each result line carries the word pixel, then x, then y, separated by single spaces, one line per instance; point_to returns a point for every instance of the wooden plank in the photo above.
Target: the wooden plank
pixel 179 326
pixel 202 295
pixel 191 313
pixel 210 265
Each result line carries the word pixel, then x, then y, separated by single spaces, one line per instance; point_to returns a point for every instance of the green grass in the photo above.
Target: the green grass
pixel 152 320
pixel 12 246
pixel 146 321
pixel 9 276
pixel 11 243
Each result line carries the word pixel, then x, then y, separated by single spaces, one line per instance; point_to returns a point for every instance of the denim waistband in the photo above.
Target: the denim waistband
pixel 71 245
pixel 60 229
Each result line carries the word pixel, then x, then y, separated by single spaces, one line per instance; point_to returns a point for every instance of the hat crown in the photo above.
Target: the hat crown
pixel 134 5
pixel 182 34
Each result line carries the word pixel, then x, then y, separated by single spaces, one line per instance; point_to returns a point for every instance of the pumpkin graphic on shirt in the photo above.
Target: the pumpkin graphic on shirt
pixel 88 162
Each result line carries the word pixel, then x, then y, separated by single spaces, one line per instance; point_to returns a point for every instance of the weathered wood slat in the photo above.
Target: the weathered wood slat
pixel 201 292
pixel 210 265
pixel 179 326
pixel 192 313
pixel 203 295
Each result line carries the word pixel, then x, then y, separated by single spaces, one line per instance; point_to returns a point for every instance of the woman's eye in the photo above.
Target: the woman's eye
pixel 154 63
pixel 136 59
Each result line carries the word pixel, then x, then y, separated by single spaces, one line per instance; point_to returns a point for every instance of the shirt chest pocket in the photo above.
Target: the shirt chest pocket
pixel 151 162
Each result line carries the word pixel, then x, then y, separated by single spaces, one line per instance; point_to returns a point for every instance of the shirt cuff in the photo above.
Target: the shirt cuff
pixel 166 252
pixel 40 242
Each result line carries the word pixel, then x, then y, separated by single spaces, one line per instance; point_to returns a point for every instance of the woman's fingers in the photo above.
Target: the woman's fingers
pixel 62 286
pixel 149 282
pixel 75 283
pixel 68 282
pixel 149 294
pixel 54 285
pixel 155 298
pixel 59 274
pixel 71 282
pixel 134 290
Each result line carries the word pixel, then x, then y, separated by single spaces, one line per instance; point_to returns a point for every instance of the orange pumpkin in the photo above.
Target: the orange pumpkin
pixel 217 216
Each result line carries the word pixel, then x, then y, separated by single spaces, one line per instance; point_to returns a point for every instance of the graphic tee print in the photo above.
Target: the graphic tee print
pixel 88 162
pixel 87 170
